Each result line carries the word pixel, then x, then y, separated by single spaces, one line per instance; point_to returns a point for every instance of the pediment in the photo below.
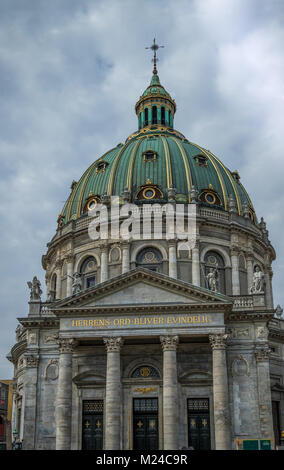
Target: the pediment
pixel 141 287
pixel 89 378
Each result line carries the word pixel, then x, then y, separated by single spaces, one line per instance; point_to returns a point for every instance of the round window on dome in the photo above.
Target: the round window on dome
pixel 149 193
pixel 210 198
pixel 92 204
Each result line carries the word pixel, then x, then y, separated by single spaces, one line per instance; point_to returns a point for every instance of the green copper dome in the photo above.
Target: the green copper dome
pixel 159 159
pixel 158 164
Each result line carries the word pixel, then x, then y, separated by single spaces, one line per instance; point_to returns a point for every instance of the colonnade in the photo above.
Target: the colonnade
pixel 113 396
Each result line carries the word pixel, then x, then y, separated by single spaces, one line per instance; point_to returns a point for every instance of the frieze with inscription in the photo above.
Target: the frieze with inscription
pixel 145 321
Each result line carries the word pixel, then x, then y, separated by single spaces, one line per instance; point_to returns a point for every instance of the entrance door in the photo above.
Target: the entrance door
pixel 145 424
pixel 92 438
pixel 198 423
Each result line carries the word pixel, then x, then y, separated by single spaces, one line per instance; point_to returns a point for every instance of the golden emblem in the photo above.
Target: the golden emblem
pixel 204 423
pixel 87 424
pixel 145 389
pixel 193 423
pixel 145 372
pixel 98 424
pixel 139 424
pixel 152 424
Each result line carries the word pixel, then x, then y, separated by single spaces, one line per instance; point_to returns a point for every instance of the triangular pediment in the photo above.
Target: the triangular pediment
pixel 141 287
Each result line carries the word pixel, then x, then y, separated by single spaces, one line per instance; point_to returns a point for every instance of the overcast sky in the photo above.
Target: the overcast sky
pixel 70 74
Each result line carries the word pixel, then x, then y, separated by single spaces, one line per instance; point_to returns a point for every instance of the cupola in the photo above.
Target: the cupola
pixel 155 106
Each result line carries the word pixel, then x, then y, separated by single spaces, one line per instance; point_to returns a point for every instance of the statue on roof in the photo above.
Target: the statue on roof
pixel 35 288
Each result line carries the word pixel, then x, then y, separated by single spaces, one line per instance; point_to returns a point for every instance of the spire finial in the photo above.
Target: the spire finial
pixel 154 48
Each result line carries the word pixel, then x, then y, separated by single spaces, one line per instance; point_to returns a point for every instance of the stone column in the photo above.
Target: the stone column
pixel 58 279
pixel 249 271
pixel 125 258
pixel 15 409
pixel 30 401
pixel 195 266
pixel 235 272
pixel 172 259
pixel 104 262
pixel 268 287
pixel 69 275
pixel 264 392
pixel 170 393
pixel 113 394
pixel 64 394
pixel 220 393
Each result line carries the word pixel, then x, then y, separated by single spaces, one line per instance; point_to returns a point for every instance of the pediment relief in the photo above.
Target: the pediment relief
pixel 142 286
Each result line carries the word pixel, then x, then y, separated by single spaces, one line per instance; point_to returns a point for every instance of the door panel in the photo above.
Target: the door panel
pixel 198 424
pixel 145 424
pixel 92 426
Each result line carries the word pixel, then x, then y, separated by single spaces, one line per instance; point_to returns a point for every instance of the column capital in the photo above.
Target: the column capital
pixel 125 244
pixel 169 343
pixel 172 242
pixel 69 258
pixel 67 345
pixel 218 341
pixel 32 360
pixel 262 353
pixel 113 343
pixel 103 247
pixel 234 250
pixel 59 263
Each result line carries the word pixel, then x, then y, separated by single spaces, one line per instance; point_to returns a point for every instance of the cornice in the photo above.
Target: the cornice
pixel 18 349
pixel 145 308
pixel 39 322
pixel 251 316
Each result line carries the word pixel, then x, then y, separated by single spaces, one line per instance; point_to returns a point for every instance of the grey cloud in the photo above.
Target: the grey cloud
pixel 70 74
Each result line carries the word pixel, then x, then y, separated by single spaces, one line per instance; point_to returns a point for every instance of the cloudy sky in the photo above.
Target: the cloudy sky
pixel 70 74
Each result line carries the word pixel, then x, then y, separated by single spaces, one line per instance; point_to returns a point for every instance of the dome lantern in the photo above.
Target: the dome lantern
pixel 155 107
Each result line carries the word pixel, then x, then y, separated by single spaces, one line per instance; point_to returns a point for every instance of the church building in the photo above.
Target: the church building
pixel 153 342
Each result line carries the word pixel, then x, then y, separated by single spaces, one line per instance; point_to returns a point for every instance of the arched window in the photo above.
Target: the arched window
pixel 215 272
pixel 146 117
pixel 53 285
pixel 154 115
pixel 170 118
pixel 88 271
pixel 144 372
pixel 150 258
pixel 163 115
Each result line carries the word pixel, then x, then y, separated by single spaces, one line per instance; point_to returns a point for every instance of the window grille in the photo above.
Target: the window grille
pixel 93 406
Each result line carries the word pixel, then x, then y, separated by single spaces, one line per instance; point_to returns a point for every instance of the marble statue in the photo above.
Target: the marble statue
pixel 257 282
pixel 212 279
pixel 35 289
pixel 77 283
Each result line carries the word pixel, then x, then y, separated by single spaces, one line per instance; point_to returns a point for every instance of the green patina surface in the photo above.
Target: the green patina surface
pixel 175 164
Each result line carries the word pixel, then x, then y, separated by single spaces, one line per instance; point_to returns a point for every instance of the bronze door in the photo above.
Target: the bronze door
pixel 145 424
pixel 198 424
pixel 92 429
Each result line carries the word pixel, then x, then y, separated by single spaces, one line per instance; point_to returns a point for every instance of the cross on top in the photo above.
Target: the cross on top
pixel 154 48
